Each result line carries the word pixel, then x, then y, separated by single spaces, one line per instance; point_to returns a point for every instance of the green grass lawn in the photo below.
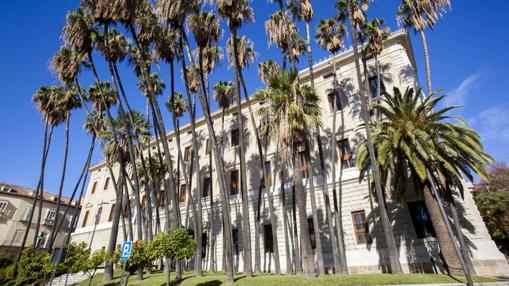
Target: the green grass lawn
pixel 214 279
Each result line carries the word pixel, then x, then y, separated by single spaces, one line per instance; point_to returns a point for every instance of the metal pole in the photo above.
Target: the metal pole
pixel 122 276
pixel 449 229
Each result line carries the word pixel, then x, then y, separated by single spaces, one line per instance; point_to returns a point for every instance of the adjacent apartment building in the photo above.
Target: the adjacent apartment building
pixel 15 207
pixel 365 247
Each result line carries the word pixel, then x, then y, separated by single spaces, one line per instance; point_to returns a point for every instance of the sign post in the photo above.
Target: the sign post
pixel 125 253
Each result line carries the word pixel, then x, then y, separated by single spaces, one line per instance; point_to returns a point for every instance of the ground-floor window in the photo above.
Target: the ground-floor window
pixel 311 231
pixel 360 226
pixel 268 242
pixel 421 220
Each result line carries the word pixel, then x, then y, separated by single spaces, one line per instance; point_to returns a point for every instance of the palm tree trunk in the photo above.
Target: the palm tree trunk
pixel 246 228
pixel 288 237
pixel 444 240
pixel 45 149
pixel 386 224
pixel 426 58
pixel 308 266
pixel 61 187
pixel 225 204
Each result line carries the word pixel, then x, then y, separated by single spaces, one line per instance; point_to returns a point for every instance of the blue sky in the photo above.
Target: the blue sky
pixel 469 61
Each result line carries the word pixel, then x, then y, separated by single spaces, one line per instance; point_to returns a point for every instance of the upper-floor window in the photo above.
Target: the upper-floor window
pixel 94 187
pixel 18 236
pixel 303 164
pixel 235 137
pixel 234 182
pixel 143 201
pixel 98 215
pixel 3 206
pixel 421 220
pixel 373 86
pixel 182 193
pixel 187 153
pixel 345 153
pixel 161 199
pixel 50 216
pixel 268 172
pixel 112 212
pixel 207 187
pixel 339 102
pixel 360 226
pixel 85 219
pixel 107 183
pixel 207 147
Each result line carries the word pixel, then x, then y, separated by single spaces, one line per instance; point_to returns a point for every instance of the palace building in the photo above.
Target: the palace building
pixel 363 237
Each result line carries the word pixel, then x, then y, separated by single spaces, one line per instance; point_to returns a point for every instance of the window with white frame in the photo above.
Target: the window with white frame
pixel 26 214
pixel 50 216
pixel 18 236
pixel 3 206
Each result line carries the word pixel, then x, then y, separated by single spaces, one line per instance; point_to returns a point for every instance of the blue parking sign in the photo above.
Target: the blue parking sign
pixel 125 251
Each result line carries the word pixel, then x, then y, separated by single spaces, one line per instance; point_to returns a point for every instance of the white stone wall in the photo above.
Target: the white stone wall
pixel 362 258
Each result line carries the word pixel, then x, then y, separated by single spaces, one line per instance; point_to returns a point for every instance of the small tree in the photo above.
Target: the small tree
pixel 141 256
pixel 492 199
pixel 74 257
pixel 34 266
pixel 175 245
pixel 92 262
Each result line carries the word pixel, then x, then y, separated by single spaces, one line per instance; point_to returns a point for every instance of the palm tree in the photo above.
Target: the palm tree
pixel 236 13
pixel 43 99
pixel 330 36
pixel 350 9
pixel 429 145
pixel 67 102
pixel 419 14
pixel 289 108
pixel 266 69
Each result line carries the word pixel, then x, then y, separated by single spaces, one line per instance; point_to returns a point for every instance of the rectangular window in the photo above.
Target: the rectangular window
pixel 50 217
pixel 204 241
pixel 268 242
pixel 303 164
pixel 26 214
pixel 18 236
pixel 360 226
pixel 345 153
pixel 311 232
pixel 85 219
pixel 161 199
pixel 94 187
pixel 235 236
pixel 187 154
pixel 98 215
pixel 235 138
pixel 330 98
pixel 268 172
pixel 143 201
pixel 106 184
pixel 373 86
pixel 207 147
pixel 207 187
pixel 3 206
pixel 182 193
pixel 125 211
pixel 112 212
pixel 234 182
pixel 421 220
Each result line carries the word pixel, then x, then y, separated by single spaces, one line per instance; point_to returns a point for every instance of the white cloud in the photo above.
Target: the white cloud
pixel 493 123
pixel 459 95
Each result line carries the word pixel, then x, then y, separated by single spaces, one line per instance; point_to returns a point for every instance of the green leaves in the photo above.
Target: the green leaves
pixel 177 244
pixel 417 138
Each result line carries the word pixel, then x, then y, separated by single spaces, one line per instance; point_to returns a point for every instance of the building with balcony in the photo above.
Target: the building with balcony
pixel 364 242
pixel 15 208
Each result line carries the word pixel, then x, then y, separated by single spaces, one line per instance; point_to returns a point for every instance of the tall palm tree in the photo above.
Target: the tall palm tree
pixel 68 101
pixel 241 53
pixel 330 36
pixel 353 11
pixel 290 108
pixel 419 14
pixel 430 144
pixel 43 100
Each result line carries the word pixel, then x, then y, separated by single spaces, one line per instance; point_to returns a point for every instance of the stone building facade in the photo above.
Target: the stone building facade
pixel 15 207
pixel 365 249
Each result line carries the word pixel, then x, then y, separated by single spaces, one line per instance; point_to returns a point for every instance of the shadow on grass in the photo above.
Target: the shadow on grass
pixel 454 278
pixel 210 283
